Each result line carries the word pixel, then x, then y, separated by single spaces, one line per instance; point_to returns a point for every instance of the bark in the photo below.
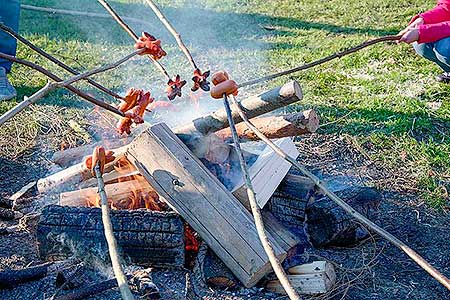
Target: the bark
pixel 276 127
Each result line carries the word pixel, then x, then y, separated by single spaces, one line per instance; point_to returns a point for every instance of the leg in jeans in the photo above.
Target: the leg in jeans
pixel 442 51
pixel 429 52
pixel 9 15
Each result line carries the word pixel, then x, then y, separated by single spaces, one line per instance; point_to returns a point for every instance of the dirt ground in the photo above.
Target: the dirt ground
pixel 373 270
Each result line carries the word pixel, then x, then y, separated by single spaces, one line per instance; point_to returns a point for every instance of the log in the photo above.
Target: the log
pixel 111 177
pixel 68 157
pixel 211 271
pixel 253 106
pixel 11 278
pixel 329 225
pixel 8 214
pixel 74 277
pixel 309 279
pixel 6 203
pixel 276 127
pixel 289 202
pixel 266 174
pixel 212 211
pixel 67 178
pixel 145 237
pixel 117 192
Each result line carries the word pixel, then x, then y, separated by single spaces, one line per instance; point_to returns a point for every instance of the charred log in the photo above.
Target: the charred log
pixel 6 203
pixel 143 283
pixel 146 238
pixel 329 225
pixel 11 278
pixel 210 270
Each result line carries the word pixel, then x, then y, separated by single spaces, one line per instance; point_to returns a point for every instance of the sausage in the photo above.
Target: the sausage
pixel 219 76
pixel 226 87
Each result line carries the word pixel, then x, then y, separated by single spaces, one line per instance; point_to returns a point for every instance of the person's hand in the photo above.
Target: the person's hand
pixel 410 36
pixel 417 22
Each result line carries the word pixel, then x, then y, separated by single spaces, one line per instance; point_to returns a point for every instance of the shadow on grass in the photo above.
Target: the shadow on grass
pixel 198 26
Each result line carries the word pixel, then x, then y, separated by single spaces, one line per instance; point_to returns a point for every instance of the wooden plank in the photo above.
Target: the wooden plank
pixel 220 219
pixel 308 279
pixel 267 173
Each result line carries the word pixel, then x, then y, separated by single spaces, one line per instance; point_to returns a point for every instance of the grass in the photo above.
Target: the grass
pixel 384 92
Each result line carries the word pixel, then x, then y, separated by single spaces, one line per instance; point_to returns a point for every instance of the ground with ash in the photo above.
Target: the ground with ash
pixel 373 270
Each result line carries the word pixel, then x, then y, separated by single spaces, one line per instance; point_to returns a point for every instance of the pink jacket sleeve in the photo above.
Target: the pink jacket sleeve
pixel 429 33
pixel 436 15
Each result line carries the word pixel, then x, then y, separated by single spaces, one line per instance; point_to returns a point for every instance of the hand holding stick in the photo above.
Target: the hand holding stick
pixel 98 164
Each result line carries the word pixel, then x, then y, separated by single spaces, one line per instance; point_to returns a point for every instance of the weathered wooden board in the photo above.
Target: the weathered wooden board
pixel 308 279
pixel 267 173
pixel 220 219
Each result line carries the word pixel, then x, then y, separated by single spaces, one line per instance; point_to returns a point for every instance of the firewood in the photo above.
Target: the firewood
pixel 71 156
pixel 23 192
pixel 276 127
pixel 112 177
pixel 211 271
pixel 8 214
pixel 117 192
pixel 289 202
pixel 254 106
pixel 308 279
pixel 329 225
pixel 11 278
pixel 266 174
pixel 67 178
pixel 145 237
pixel 73 277
pixel 207 206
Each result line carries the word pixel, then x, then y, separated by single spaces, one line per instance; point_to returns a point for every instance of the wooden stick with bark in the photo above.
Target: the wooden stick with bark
pixel 62 84
pixel 322 60
pixel 98 163
pixel 56 61
pixel 395 241
pixel 132 34
pixel 276 265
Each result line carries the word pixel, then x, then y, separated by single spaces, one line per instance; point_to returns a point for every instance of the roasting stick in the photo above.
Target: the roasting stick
pixel 56 61
pixel 398 243
pixel 98 163
pixel 50 86
pixel 276 265
pixel 322 60
pixel 131 33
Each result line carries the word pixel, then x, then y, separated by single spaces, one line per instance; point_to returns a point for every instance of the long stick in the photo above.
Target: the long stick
pixel 323 60
pixel 395 241
pixel 66 84
pixel 276 265
pixel 52 10
pixel 173 31
pixel 56 61
pixel 132 34
pixel 110 239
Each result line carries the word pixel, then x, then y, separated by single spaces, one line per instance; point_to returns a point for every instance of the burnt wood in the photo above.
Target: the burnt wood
pixel 11 278
pixel 145 237
pixel 329 225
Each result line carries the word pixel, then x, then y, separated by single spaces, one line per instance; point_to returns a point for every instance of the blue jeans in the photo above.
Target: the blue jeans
pixel 438 52
pixel 9 15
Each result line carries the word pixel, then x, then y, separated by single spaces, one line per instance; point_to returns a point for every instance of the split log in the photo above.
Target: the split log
pixel 70 156
pixel 211 271
pixel 289 202
pixel 212 211
pixel 329 225
pixel 117 192
pixel 308 279
pixel 276 127
pixel 11 278
pixel 111 177
pixel 73 175
pixel 253 106
pixel 266 174
pixel 145 237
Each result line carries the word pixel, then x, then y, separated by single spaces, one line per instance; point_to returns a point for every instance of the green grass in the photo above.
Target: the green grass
pixel 384 91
